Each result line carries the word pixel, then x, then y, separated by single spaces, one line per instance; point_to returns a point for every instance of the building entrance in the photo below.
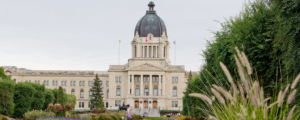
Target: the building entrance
pixel 136 104
pixel 145 104
pixel 154 104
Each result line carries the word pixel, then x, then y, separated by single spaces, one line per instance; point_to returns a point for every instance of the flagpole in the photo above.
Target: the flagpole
pixel 175 55
pixel 119 53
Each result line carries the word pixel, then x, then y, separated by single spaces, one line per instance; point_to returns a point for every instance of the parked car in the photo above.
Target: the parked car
pixel 145 114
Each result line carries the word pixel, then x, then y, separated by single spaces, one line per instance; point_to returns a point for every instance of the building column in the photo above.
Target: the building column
pixel 128 85
pixel 150 86
pixel 142 86
pixel 159 86
pixel 143 51
pixel 132 85
pixel 148 52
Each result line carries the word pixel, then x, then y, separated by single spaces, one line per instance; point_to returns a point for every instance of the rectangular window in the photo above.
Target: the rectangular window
pixel 47 82
pixel 89 83
pixel 56 83
pixel 135 79
pixel 39 81
pixel 91 94
pixel 65 83
pixel 172 79
pixel 73 92
pixel 153 79
pixel 82 83
pixel 120 79
pixel 146 92
pixel 157 79
pixel 137 91
pixel 116 103
pixel 145 79
pixel 176 103
pixel 176 79
pixel 81 94
pixel 148 79
pixel 80 104
pixel 107 83
pixel 79 83
pixel 62 83
pixel 139 79
pixel 74 83
pixel 106 104
pixel 44 82
pixel 155 92
pixel 71 83
pixel 30 81
pixel 172 103
pixel 118 91
pixel 117 79
pixel 160 91
pixel 53 82
pixel 107 94
pixel 92 83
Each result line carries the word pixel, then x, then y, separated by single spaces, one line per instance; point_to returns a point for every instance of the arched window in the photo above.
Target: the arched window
pixel 107 93
pixel 137 91
pixel 174 91
pixel 118 91
pixel 146 91
pixel 155 91
pixel 73 91
pixel 81 93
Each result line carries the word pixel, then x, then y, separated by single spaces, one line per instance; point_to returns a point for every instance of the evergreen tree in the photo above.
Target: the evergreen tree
pixel 96 97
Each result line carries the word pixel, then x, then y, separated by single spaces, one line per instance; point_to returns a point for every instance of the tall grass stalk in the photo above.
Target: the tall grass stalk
pixel 249 101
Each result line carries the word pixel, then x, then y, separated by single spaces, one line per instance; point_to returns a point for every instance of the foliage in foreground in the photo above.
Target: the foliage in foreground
pixel 246 99
pixel 268 33
pixel 23 99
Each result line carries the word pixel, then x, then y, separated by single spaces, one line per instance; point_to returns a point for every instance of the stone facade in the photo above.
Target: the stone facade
pixel 147 81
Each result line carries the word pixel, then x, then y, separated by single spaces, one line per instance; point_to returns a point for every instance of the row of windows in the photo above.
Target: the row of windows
pixel 174 79
pixel 118 79
pixel 174 103
pixel 146 79
pixel 146 91
pixel 82 93
pixel 118 103
pixel 64 83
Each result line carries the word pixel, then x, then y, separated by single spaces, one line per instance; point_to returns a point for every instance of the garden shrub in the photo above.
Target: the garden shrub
pixel 54 92
pixel 72 100
pixel 59 109
pixel 49 98
pixel 38 97
pixel 136 117
pixel 7 97
pixel 32 115
pixel 23 98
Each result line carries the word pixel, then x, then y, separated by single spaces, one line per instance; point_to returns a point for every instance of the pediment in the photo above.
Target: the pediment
pixel 146 66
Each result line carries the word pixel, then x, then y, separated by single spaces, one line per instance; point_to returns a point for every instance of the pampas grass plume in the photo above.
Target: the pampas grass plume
pixel 201 96
pixel 291 113
pixel 241 116
pixel 291 97
pixel 218 96
pixel 279 99
pixel 226 71
pixel 295 81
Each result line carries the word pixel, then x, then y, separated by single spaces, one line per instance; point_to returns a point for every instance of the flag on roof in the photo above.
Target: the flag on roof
pixel 119 41
pixel 146 39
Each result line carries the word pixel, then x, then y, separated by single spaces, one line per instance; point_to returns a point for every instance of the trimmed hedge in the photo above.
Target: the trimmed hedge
pixel 23 98
pixel 49 98
pixel 7 97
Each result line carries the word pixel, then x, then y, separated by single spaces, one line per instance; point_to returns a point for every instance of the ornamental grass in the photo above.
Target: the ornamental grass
pixel 246 99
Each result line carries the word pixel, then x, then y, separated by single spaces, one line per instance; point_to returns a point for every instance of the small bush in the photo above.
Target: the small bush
pixel 32 115
pixel 136 117
pixel 49 98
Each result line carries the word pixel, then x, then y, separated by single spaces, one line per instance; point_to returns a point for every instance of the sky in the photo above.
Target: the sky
pixel 84 35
